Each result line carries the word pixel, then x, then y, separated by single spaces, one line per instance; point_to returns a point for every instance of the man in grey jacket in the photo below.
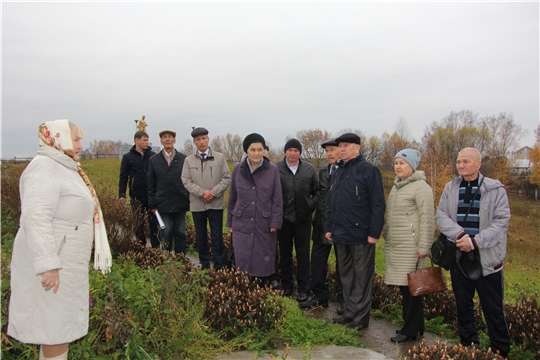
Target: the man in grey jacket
pixel 206 176
pixel 484 228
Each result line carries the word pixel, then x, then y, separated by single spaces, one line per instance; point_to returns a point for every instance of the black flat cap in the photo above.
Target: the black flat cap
pixel 329 142
pixel 253 138
pixel 199 131
pixel 348 138
pixel 469 263
pixel 163 132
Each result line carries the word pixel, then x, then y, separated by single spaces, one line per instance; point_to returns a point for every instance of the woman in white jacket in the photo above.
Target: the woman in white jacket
pixel 410 224
pixel 60 216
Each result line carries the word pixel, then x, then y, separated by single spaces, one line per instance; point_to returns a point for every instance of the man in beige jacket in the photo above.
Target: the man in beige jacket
pixel 206 176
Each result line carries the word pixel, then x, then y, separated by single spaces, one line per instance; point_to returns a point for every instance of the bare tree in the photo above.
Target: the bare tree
pixel 504 135
pixel 189 147
pixel 230 145
pixel 103 149
pixel 311 140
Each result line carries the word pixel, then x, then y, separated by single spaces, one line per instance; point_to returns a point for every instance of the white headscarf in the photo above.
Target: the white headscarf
pixel 57 134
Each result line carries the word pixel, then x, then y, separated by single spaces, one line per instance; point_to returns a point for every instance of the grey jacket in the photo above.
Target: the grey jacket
pixel 494 220
pixel 213 175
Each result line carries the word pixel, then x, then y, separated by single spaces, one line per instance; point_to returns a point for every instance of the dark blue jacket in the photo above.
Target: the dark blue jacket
pixel 166 192
pixel 133 170
pixel 355 202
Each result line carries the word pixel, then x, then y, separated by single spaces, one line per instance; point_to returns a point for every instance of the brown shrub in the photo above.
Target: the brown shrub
pixel 443 351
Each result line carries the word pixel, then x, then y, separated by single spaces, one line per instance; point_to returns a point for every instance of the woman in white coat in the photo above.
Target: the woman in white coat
pixel 60 216
pixel 410 224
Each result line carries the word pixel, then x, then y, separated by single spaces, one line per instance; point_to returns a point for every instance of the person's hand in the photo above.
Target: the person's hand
pixel 51 280
pixel 208 196
pixel 372 240
pixel 122 200
pixel 153 211
pixel 273 229
pixel 464 244
pixel 328 236
pixel 230 230
pixel 421 256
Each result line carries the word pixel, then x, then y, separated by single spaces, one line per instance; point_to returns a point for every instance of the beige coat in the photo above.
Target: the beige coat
pixel 213 175
pixel 415 197
pixel 56 232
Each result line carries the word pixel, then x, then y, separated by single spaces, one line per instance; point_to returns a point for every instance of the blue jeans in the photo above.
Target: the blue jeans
pixel 200 220
pixel 175 231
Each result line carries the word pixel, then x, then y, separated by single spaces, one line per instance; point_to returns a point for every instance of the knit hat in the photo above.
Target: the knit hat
pixel 253 138
pixel 411 156
pixel 199 131
pixel 293 144
pixel 329 142
pixel 348 138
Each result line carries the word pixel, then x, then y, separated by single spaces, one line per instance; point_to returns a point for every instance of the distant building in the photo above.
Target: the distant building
pixel 520 161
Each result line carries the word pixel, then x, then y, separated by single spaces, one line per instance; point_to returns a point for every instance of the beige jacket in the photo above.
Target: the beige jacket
pixel 213 175
pixel 56 232
pixel 413 196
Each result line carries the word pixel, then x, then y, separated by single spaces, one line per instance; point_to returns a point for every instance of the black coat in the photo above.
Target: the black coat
pixel 319 220
pixel 134 170
pixel 356 202
pixel 300 191
pixel 166 192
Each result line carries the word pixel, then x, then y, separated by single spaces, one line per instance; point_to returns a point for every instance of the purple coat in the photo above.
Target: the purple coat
pixel 255 206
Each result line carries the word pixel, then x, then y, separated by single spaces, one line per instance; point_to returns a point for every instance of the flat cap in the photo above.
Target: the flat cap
pixel 199 131
pixel 163 132
pixel 329 142
pixel 348 138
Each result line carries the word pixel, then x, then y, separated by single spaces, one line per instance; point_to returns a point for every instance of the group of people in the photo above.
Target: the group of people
pixel 272 209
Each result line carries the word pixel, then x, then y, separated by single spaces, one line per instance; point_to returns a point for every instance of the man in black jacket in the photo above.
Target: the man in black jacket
pixel 300 187
pixel 354 223
pixel 321 246
pixel 167 194
pixel 133 170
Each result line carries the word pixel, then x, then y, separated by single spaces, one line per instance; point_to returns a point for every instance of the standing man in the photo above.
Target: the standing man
pixel 354 224
pixel 300 187
pixel 321 246
pixel 167 194
pixel 133 170
pixel 206 176
pixel 484 229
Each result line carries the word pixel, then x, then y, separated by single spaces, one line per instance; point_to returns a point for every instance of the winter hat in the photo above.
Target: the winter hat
pixel 329 142
pixel 293 144
pixel 199 131
pixel 253 138
pixel 411 156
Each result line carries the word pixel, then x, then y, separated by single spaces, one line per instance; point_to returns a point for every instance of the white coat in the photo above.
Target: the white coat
pixel 414 197
pixel 56 232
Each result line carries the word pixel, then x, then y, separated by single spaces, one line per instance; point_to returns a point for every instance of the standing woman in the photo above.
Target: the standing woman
pixel 60 216
pixel 255 211
pixel 410 224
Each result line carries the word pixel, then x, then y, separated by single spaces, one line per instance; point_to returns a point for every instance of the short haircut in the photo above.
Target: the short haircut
pixel 140 135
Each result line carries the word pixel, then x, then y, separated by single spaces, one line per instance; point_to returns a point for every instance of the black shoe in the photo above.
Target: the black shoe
pixel 314 302
pixel 400 338
pixel 341 308
pixel 301 297
pixel 421 332
pixel 274 284
pixel 356 325
pixel 342 319
pixel 287 292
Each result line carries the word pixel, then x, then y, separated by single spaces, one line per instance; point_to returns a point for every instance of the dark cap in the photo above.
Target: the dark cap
pixel 199 131
pixel 253 138
pixel 348 138
pixel 329 142
pixel 293 144
pixel 469 263
pixel 163 132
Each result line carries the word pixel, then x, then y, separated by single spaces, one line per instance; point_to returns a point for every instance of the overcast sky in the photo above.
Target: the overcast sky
pixel 271 68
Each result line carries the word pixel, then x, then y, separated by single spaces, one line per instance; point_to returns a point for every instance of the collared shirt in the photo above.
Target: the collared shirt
pixel 294 169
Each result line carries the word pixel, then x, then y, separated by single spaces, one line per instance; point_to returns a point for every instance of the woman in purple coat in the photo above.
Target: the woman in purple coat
pixel 255 210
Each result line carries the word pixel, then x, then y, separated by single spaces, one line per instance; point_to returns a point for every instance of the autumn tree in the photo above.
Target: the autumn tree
pixel 229 145
pixel 103 149
pixel 535 159
pixel 311 141
pixel 390 144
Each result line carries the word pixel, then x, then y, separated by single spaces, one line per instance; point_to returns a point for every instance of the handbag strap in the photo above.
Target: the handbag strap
pixel 472 201
pixel 418 261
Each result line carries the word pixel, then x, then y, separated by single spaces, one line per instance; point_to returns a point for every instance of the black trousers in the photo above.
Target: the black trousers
pixel 298 234
pixel 141 204
pixel 201 219
pixel 357 271
pixel 319 269
pixel 490 290
pixel 413 313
